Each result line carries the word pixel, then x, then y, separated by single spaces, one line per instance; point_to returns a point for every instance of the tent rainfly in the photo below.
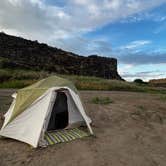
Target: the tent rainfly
pixel 50 104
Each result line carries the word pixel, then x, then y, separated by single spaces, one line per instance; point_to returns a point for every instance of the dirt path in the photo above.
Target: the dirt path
pixel 129 132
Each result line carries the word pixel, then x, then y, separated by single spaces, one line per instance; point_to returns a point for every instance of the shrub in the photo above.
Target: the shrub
pixel 139 81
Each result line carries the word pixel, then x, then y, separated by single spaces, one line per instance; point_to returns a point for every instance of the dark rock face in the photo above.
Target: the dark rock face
pixel 17 52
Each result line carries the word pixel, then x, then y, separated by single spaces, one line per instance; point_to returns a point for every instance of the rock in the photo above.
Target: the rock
pixel 16 52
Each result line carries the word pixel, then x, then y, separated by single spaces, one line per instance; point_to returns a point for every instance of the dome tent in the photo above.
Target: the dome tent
pixel 50 104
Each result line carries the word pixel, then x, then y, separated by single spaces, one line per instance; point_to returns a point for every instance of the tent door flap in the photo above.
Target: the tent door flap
pixel 59 115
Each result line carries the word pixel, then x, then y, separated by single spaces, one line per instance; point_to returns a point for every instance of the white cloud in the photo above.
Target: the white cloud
pixel 143 58
pixel 136 44
pixel 81 2
pixel 125 69
pixel 156 17
pixel 35 19
pixel 146 76
pixel 131 72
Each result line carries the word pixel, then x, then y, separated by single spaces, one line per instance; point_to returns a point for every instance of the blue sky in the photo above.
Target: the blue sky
pixel 133 31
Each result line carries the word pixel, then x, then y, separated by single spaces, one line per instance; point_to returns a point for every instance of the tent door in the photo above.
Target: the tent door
pixel 59 114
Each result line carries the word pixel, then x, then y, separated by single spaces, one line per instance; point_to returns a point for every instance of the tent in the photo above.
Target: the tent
pixel 50 104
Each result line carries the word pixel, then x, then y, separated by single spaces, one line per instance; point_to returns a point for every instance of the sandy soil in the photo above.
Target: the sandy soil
pixel 131 131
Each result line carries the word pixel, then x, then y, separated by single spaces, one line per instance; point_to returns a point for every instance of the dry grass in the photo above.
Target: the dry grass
pixel 22 78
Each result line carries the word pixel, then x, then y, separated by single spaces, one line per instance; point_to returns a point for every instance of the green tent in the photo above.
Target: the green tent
pixel 26 96
pixel 53 100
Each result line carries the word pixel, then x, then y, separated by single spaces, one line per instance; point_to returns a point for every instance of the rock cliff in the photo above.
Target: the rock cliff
pixel 16 52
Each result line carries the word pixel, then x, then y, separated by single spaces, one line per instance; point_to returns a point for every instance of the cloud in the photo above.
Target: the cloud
pixel 147 75
pixel 137 53
pixel 134 53
pixel 35 19
pixel 143 58
pixel 64 25
pixel 145 16
pixel 125 69
pixel 144 74
pixel 84 46
pixel 136 44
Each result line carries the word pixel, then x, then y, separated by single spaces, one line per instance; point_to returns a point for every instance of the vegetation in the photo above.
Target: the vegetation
pixel 163 80
pixel 158 82
pixel 101 100
pixel 139 81
pixel 8 75
pixel 21 78
pixel 17 84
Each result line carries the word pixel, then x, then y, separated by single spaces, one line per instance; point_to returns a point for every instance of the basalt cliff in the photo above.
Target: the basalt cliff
pixel 16 52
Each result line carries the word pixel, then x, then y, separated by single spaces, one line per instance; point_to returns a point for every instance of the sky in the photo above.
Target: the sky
pixel 133 31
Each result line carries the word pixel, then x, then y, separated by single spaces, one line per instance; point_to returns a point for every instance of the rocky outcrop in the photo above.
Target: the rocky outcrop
pixel 16 52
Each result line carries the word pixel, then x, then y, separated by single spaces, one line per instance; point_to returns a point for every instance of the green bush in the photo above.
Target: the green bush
pixel 140 81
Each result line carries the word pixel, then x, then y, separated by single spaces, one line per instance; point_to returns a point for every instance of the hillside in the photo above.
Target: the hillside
pixel 16 52
pixel 158 82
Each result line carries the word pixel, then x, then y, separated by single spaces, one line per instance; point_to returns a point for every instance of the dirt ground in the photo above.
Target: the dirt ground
pixel 131 131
